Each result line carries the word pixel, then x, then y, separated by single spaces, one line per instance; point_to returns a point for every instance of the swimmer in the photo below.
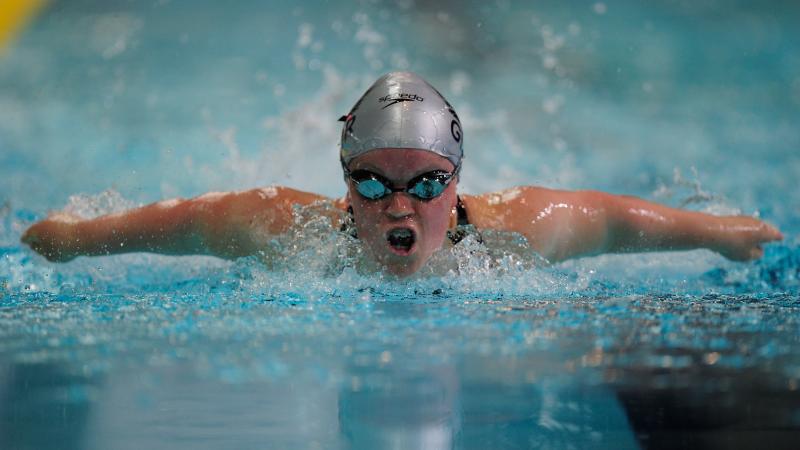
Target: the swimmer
pixel 401 152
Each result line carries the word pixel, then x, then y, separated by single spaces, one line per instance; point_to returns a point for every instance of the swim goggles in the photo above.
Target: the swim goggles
pixel 426 186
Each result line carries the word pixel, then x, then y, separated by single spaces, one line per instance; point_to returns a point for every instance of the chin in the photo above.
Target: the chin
pixel 400 267
pixel 401 270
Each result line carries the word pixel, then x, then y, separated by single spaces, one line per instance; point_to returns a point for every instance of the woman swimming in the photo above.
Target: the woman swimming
pixel 401 152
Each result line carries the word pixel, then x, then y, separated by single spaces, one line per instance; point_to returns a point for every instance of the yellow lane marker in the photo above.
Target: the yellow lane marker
pixel 14 15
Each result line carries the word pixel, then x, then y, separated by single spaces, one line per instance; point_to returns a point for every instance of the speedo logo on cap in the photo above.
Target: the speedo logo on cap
pixel 397 98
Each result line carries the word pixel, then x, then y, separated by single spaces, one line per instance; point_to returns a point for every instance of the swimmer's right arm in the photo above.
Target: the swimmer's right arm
pixel 226 225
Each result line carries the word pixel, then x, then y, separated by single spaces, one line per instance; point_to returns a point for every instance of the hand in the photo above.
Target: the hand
pixel 54 238
pixel 740 237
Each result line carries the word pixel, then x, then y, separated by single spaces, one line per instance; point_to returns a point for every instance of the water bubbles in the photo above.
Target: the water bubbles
pixel 112 34
pixel 306 42
pixel 599 8
pixel 553 104
pixel 399 60
pixel 693 194
pixel 459 82
pixel 365 33
pixel 88 206
pixel 304 37
pixel 314 64
pixel 552 41
pixel 372 41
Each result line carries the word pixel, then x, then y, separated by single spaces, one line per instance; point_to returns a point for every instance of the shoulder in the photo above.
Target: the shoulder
pixel 556 223
pixel 525 196
pixel 524 208
pixel 510 195
pixel 494 209
pixel 272 206
pixel 282 194
pixel 258 198
pixel 264 201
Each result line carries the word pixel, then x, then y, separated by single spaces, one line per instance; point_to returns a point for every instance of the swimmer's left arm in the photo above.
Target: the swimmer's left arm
pixel 566 224
pixel 637 225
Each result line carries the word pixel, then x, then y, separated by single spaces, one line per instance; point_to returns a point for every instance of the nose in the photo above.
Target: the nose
pixel 399 206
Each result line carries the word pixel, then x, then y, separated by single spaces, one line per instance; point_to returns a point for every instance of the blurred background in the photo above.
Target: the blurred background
pixel 678 101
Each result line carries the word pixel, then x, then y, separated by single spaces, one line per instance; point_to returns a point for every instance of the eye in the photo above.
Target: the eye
pixel 371 189
pixel 428 188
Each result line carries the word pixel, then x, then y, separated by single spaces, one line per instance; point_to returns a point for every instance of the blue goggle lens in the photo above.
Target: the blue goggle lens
pixel 371 189
pixel 427 188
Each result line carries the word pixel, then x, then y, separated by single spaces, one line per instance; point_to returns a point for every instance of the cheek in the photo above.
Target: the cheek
pixel 367 217
pixel 436 214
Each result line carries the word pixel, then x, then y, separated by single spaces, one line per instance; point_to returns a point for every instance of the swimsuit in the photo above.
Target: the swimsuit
pixel 459 233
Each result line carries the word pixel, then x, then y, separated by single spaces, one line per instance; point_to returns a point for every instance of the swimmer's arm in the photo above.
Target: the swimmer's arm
pixel 636 225
pixel 227 225
pixel 563 224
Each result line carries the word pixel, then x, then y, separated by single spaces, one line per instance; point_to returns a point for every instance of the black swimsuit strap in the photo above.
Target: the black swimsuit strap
pixel 461 211
pixel 458 234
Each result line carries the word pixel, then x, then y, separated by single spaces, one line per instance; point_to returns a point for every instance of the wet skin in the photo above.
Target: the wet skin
pixel 557 224
pixel 375 219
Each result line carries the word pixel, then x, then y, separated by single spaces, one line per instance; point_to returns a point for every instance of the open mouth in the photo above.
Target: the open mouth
pixel 401 240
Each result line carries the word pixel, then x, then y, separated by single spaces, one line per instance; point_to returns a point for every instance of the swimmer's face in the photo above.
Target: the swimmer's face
pixel 385 224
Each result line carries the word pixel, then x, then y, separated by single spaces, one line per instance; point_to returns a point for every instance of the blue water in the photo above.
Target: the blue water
pixel 108 105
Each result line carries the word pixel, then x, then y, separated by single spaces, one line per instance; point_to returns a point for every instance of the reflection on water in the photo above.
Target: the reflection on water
pixel 45 405
pixel 405 409
pixel 51 408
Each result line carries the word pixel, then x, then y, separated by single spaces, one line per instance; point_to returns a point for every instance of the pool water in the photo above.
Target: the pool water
pixel 109 105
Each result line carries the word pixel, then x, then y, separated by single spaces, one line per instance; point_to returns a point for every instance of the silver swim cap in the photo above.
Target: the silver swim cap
pixel 401 110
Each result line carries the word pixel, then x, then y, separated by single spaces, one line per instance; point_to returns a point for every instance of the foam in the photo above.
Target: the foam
pixel 167 204
pixel 268 192
pixel 211 196
pixel 64 217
